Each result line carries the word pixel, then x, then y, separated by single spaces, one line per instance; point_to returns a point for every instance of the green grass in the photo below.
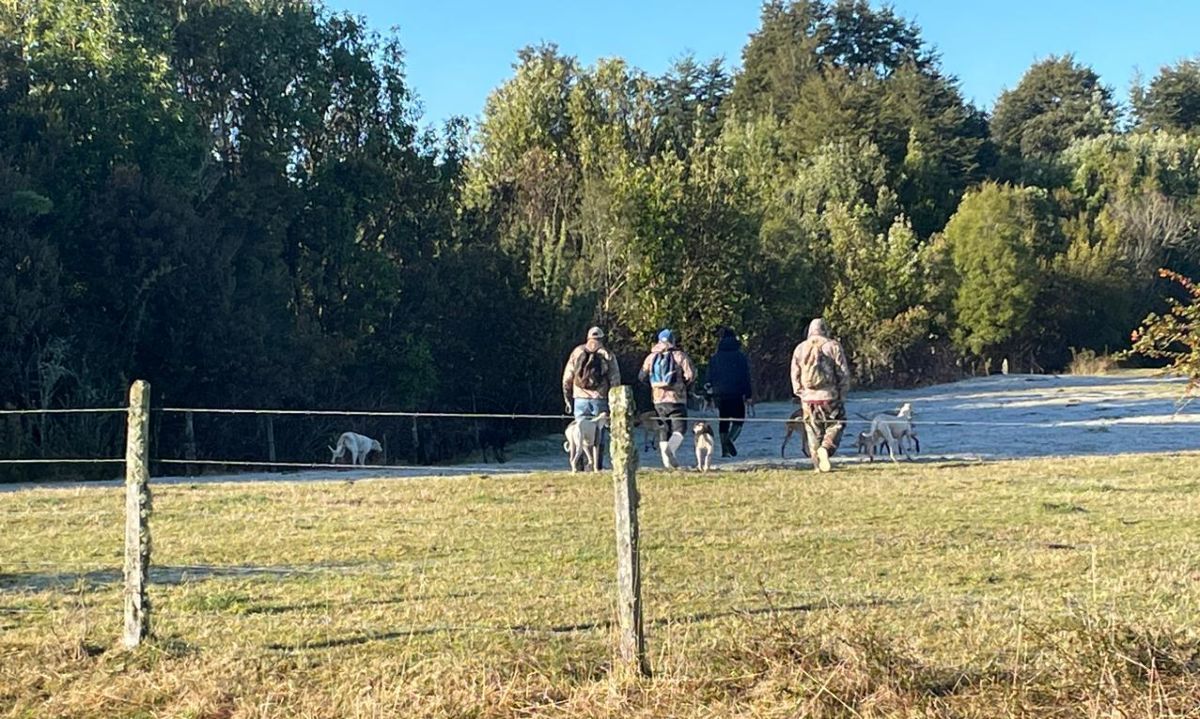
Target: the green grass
pixel 1035 588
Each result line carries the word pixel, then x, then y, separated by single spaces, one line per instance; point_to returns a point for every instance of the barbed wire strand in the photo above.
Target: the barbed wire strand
pixel 76 410
pixel 66 460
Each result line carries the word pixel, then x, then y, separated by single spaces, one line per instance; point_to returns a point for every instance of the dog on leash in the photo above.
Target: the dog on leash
pixel 358 445
pixel 703 437
pixel 583 440
pixel 795 424
pixel 893 429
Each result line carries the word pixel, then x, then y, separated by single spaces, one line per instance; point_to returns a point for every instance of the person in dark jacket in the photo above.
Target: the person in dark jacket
pixel 729 376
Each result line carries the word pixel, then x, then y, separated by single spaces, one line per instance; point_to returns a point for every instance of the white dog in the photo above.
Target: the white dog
pixel 359 446
pixel 583 440
pixel 703 436
pixel 893 429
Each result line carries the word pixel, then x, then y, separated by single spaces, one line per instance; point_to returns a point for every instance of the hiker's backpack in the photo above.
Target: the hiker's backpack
pixel 592 372
pixel 664 371
pixel 817 370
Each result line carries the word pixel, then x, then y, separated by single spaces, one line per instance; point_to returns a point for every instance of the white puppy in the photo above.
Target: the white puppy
pixel 893 428
pixel 703 436
pixel 359 446
pixel 583 440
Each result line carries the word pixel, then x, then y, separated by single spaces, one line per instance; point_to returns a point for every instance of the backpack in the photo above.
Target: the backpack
pixel 664 371
pixel 817 370
pixel 591 373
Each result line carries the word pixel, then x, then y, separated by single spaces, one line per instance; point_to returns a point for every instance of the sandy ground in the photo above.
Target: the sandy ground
pixel 997 417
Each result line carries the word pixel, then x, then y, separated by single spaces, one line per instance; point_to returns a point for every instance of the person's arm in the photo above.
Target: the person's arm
pixel 614 371
pixel 568 377
pixel 747 385
pixel 644 374
pixel 797 387
pixel 843 366
pixel 689 369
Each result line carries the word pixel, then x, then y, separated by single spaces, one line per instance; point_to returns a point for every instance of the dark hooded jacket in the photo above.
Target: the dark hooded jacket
pixel 729 370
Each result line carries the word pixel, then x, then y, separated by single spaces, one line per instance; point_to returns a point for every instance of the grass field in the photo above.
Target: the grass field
pixel 1022 588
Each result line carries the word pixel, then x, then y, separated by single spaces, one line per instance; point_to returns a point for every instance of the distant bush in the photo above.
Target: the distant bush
pixel 1087 361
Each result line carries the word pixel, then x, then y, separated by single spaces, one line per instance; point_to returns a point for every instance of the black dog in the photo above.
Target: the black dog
pixel 496 439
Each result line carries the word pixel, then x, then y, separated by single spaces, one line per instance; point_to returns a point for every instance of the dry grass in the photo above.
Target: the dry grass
pixel 1089 362
pixel 1065 588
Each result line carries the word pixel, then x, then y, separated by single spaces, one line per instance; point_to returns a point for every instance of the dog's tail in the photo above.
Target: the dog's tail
pixel 860 415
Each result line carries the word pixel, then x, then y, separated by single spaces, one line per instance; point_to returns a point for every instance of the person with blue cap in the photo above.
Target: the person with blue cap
pixel 670 373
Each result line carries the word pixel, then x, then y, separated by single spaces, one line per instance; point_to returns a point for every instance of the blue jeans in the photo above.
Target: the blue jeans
pixel 589 407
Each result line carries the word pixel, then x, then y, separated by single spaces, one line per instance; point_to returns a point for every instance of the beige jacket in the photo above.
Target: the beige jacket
pixel 678 393
pixel 833 349
pixel 612 375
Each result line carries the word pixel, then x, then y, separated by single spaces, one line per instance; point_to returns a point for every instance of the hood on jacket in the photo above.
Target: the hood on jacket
pixel 729 342
pixel 818 328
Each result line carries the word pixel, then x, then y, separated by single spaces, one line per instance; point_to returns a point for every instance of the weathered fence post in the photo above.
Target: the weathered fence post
pixel 137 515
pixel 270 441
pixel 632 639
pixel 189 442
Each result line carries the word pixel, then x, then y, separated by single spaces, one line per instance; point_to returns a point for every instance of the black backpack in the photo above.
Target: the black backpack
pixel 592 372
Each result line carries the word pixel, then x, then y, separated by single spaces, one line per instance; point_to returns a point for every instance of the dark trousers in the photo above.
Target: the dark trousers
pixel 733 408
pixel 672 418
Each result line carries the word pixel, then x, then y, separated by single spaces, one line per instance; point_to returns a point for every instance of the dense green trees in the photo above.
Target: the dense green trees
pixel 235 201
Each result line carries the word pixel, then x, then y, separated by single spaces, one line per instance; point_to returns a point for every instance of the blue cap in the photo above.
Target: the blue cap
pixel 666 336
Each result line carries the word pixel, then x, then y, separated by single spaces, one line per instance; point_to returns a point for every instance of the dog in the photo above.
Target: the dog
pixel 358 445
pixel 583 440
pixel 705 400
pixel 893 429
pixel 869 444
pixel 496 439
pixel 648 422
pixel 795 423
pixel 703 437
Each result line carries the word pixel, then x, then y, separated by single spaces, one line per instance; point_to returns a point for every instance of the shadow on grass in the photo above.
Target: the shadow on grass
pixel 605 625
pixel 163 575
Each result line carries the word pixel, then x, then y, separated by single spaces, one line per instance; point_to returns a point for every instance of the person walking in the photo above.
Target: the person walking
pixel 670 373
pixel 821 379
pixel 729 377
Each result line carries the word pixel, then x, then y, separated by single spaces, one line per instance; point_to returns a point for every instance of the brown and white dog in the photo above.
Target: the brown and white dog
pixel 795 424
pixel 583 440
pixel 703 437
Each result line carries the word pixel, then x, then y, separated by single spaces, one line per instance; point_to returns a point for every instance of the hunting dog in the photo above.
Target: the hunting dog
pixel 648 423
pixel 795 424
pixel 705 400
pixel 703 437
pixel 893 429
pixel 583 440
pixel 358 445
pixel 496 439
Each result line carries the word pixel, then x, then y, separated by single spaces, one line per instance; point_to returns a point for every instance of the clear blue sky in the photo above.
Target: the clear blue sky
pixel 459 50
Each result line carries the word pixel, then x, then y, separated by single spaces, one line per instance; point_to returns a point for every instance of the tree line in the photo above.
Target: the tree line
pixel 236 201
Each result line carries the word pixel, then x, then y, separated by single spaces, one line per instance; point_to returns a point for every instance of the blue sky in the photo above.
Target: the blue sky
pixel 459 50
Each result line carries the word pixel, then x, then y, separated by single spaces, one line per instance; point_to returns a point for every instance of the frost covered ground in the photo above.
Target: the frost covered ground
pixel 1002 416
pixel 996 417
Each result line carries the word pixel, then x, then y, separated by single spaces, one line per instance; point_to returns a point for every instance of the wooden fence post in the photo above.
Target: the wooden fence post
pixel 189 443
pixel 632 639
pixel 137 515
pixel 270 441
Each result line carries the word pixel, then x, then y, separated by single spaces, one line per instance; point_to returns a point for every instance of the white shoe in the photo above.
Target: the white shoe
pixel 823 459
pixel 665 452
pixel 673 446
